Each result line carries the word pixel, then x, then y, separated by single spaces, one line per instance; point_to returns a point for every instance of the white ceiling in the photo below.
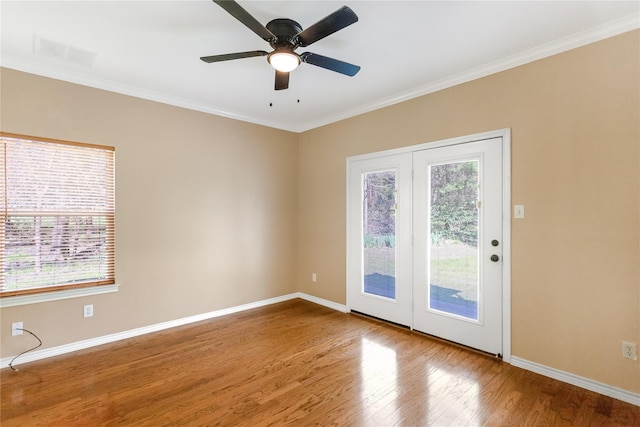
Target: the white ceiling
pixel 151 49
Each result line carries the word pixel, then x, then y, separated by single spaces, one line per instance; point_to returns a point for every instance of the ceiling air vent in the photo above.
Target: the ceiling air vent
pixel 71 55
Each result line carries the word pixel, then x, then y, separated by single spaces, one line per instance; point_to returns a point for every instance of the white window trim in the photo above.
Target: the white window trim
pixel 57 295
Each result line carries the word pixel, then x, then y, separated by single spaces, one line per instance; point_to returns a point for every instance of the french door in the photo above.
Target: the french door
pixel 425 240
pixel 380 234
pixel 457 252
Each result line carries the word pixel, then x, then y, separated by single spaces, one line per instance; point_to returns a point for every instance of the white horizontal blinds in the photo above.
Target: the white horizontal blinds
pixel 59 214
pixel 2 213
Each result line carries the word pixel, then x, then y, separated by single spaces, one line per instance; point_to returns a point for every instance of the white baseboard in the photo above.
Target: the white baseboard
pixel 105 339
pixel 320 301
pixel 586 383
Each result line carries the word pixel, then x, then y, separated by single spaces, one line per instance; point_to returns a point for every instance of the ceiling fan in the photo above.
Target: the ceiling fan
pixel 285 36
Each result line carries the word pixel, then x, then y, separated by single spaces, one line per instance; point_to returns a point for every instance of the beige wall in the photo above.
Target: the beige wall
pixel 206 208
pixel 251 212
pixel 575 122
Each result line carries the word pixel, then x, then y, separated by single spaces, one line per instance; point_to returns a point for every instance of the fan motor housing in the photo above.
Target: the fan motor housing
pixel 285 31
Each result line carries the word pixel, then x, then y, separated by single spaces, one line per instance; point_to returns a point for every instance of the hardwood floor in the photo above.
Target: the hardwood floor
pixel 293 363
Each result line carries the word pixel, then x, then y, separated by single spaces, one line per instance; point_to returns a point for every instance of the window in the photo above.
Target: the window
pixel 57 202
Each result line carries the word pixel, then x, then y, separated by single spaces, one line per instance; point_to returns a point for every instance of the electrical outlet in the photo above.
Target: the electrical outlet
pixel 16 328
pixel 88 310
pixel 629 350
pixel 314 278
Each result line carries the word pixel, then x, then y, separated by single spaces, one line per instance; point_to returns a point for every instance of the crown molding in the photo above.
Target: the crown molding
pixel 580 39
pixel 611 29
pixel 70 76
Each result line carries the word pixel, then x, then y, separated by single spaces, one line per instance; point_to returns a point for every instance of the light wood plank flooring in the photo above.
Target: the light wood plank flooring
pixel 293 363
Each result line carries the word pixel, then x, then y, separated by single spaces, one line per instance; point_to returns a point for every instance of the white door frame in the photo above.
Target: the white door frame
pixel 505 134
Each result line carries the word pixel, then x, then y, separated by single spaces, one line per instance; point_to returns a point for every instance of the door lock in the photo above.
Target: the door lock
pixel 495 258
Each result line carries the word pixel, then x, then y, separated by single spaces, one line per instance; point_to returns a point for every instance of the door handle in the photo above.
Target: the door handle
pixel 495 258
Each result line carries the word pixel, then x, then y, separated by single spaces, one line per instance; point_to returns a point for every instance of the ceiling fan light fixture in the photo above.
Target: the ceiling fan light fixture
pixel 283 60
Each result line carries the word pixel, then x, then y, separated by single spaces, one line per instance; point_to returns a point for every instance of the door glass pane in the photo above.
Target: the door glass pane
pixel 453 249
pixel 379 233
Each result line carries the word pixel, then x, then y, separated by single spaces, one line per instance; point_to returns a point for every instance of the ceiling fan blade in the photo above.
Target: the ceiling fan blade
pixel 282 80
pixel 230 56
pixel 235 10
pixel 330 63
pixel 339 19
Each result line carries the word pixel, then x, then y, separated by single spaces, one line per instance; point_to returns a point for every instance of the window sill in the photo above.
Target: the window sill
pixel 56 295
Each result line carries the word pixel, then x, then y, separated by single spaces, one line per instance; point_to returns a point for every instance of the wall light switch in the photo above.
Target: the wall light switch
pixel 518 211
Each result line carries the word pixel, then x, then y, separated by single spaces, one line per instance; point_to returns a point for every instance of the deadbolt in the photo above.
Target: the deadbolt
pixel 495 258
pixel 494 243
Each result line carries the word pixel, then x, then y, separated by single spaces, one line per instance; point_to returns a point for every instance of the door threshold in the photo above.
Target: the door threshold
pixel 456 344
pixel 381 320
